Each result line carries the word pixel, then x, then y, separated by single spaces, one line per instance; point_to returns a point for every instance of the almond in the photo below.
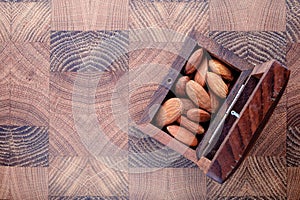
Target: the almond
pixel 201 71
pixel 194 61
pixel 216 84
pixel 183 135
pixel 190 125
pixel 187 104
pixel 180 86
pixel 198 95
pixel 198 115
pixel 220 69
pixel 169 112
pixel 215 102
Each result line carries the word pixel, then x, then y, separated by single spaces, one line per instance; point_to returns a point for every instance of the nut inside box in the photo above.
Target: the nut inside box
pixel 213 105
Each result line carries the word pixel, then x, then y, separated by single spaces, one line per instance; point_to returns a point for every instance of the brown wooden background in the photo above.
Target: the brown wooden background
pixel 51 50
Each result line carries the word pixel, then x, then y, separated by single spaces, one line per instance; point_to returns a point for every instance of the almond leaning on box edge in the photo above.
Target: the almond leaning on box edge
pixel 169 112
pixel 194 61
pixel 216 84
pixel 198 95
pixel 187 104
pixel 183 135
pixel 190 125
pixel 220 69
pixel 198 115
pixel 180 86
pixel 201 71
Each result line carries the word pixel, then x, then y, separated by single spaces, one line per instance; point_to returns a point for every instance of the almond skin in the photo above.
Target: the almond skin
pixel 194 61
pixel 169 112
pixel 198 95
pixel 198 115
pixel 220 69
pixel 215 102
pixel 190 125
pixel 183 135
pixel 187 104
pixel 180 86
pixel 216 84
pixel 201 71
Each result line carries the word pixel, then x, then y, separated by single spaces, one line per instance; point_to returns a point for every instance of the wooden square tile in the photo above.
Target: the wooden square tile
pixel 89 15
pixel 256 177
pixel 148 183
pixel 88 114
pixel 293 21
pixel 75 176
pixel 264 46
pixel 293 107
pixel 180 17
pixel 186 183
pixel 29 83
pixel 24 146
pixel 235 15
pixel 89 51
pixel 25 21
pixel 29 183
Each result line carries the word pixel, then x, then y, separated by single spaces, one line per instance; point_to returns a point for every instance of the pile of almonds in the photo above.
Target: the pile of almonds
pixel 199 93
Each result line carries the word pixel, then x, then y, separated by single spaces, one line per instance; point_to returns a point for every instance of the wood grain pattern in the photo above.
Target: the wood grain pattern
pixel 29 183
pixel 293 107
pixel 259 108
pixel 163 184
pixel 293 21
pixel 247 15
pixel 24 146
pixel 146 152
pixel 89 198
pixel 25 21
pixel 92 122
pixel 250 45
pixel 293 178
pixel 177 16
pixel 24 69
pixel 272 140
pixel 88 51
pixel 89 15
pixel 276 43
pixel 4 183
pixel 236 42
pixel 256 177
pixel 77 176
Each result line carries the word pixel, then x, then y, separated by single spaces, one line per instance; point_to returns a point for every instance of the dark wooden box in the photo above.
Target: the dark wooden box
pixel 218 155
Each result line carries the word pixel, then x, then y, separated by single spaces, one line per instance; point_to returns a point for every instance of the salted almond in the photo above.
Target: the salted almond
pixel 190 125
pixel 194 61
pixel 198 95
pixel 201 71
pixel 169 112
pixel 183 135
pixel 187 104
pixel 220 69
pixel 198 115
pixel 180 86
pixel 216 84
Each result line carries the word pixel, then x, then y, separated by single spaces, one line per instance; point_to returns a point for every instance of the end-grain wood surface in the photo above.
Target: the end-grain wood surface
pixel 76 75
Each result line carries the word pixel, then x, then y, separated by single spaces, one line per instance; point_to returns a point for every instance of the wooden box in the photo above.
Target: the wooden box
pixel 240 119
